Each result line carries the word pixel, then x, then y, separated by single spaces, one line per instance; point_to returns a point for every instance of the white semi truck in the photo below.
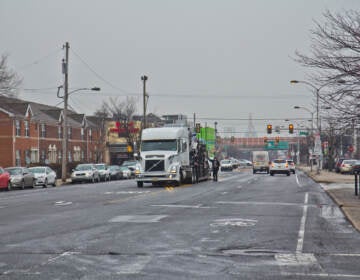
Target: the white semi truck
pixel 168 156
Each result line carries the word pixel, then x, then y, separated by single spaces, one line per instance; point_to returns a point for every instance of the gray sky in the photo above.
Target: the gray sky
pixel 222 59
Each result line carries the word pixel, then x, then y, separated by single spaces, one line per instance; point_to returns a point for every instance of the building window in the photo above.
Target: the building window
pixel 42 156
pixel 82 156
pixel 43 130
pixel 17 158
pixel 69 132
pixel 34 155
pixel 27 130
pixel 69 156
pixel 17 128
pixel 60 132
pixel 90 135
pixel 52 153
pixel 76 153
pixel 82 134
pixel 27 157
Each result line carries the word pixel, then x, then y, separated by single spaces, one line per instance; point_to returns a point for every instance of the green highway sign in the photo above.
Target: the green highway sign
pixel 304 133
pixel 282 145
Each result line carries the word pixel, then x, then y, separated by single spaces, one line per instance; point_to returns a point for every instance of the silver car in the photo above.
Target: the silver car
pixel 21 177
pixel 279 166
pixel 104 171
pixel 85 172
pixel 44 176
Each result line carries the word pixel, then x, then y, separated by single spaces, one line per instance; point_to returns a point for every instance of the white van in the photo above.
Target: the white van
pixel 260 161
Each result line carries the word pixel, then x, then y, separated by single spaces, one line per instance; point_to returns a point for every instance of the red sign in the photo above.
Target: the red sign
pixel 122 129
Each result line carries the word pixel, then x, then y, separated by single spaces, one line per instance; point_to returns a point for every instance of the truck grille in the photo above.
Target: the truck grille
pixel 154 165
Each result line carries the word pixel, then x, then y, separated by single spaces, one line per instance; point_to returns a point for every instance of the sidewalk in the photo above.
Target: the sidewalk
pixel 341 188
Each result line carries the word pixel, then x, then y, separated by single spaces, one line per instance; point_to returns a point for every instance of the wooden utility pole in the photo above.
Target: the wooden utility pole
pixel 144 79
pixel 65 68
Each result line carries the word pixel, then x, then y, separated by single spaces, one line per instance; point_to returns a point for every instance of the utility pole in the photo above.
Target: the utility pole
pixel 145 96
pixel 65 68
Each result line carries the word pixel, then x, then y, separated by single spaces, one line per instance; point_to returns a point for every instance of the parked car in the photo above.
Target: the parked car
pixel 126 172
pixel 85 172
pixel 356 167
pixel 279 166
pixel 44 176
pixel 115 172
pixel 291 165
pixel 104 172
pixel 338 164
pixel 347 166
pixel 21 177
pixel 4 179
pixel 226 165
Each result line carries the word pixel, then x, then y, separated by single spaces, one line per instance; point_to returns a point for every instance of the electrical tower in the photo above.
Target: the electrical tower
pixel 251 132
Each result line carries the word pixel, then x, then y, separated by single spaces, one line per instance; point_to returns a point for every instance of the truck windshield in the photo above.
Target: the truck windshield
pixel 159 145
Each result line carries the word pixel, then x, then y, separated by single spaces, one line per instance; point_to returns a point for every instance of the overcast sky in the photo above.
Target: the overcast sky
pixel 223 59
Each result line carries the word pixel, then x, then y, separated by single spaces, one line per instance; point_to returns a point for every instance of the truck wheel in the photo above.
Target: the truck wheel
pixel 140 184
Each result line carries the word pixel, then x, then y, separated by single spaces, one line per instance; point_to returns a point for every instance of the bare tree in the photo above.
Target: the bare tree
pixel 122 112
pixel 334 57
pixel 9 80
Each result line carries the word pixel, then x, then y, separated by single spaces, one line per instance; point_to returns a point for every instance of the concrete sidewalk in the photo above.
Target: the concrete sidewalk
pixel 341 188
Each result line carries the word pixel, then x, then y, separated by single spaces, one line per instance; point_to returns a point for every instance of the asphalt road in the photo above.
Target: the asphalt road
pixel 243 227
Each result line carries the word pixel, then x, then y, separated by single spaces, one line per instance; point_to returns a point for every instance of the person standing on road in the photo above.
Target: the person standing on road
pixel 215 168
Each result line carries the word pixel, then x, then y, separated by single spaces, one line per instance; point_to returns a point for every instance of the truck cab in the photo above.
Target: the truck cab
pixel 164 156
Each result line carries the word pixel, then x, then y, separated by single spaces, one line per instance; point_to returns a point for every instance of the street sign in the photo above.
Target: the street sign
pixel 304 133
pixel 282 145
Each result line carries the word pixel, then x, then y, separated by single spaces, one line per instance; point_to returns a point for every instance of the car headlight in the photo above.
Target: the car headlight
pixel 173 169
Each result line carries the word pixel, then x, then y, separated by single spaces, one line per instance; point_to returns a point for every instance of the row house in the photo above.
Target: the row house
pixel 32 133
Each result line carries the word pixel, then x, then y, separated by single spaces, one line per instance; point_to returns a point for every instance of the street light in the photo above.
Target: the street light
pixel 65 132
pixel 312 116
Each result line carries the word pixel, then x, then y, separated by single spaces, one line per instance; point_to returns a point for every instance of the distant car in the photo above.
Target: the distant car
pixel 279 166
pixel 21 177
pixel 291 165
pixel 338 164
pixel 245 163
pixel 131 164
pixel 115 172
pixel 126 172
pixel 44 176
pixel 226 165
pixel 356 167
pixel 85 172
pixel 4 179
pixel 104 172
pixel 347 166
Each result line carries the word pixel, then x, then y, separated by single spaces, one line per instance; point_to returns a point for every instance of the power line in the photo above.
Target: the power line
pixel 37 61
pixel 95 73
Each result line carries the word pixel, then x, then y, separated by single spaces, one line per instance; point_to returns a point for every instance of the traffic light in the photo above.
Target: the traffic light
pixel 269 128
pixel 265 140
pixel 291 128
pixel 277 140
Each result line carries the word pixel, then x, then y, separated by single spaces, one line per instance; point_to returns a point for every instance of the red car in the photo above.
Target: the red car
pixel 4 179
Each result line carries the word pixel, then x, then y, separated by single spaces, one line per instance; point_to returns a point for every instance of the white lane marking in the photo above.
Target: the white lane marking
pixel 297 181
pixel 54 259
pixel 239 222
pixel 301 234
pixel 137 218
pixel 325 275
pixel 127 192
pixel 181 206
pixel 298 259
pixel 263 203
pixel 135 268
pixel 224 192
pixel 62 203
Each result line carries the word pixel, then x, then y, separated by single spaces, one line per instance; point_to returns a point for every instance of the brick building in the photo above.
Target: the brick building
pixel 31 133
